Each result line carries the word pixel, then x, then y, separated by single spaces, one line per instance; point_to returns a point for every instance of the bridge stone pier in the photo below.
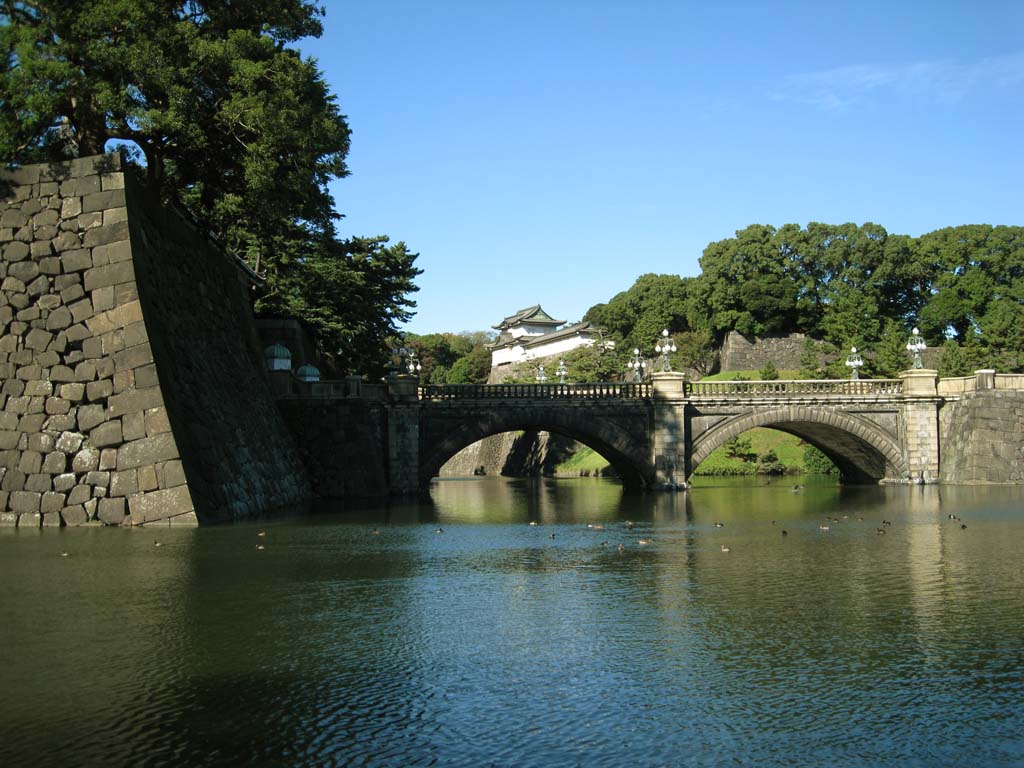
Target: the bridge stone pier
pixel 656 434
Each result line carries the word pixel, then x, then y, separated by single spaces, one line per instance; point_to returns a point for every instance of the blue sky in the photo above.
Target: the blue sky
pixel 551 152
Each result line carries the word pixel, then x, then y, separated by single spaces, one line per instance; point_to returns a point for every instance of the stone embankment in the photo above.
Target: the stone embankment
pixel 132 388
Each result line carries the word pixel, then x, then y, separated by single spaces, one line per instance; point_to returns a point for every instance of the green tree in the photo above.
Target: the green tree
pixel 697 350
pixel 817 463
pixel 593 363
pixel 810 368
pixel 226 117
pixel 953 361
pixel 636 317
pixel 891 354
pixel 474 368
pixel 769 372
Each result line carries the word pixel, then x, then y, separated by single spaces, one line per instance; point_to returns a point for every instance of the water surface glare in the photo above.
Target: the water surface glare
pixel 460 635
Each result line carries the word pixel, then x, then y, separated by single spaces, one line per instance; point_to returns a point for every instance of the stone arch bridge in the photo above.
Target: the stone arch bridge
pixel 656 434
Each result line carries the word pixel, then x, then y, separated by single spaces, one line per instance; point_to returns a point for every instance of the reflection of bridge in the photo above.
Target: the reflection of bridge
pixel 656 434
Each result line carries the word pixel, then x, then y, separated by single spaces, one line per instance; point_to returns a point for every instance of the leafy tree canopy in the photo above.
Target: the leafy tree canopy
pixel 227 118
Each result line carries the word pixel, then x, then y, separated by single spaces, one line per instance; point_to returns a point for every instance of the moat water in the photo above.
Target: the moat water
pixel 500 643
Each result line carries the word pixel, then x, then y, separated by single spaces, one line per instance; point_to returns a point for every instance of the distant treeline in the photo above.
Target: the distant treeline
pixel 845 285
pixel 842 285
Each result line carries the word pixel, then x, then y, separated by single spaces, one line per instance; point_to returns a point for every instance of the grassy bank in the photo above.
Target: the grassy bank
pixel 787 449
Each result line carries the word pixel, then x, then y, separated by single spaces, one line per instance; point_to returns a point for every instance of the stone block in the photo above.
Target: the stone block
pixel 39 286
pixel 13 479
pixel 157 422
pixel 76 261
pixel 52 502
pixel 25 502
pixel 61 373
pixel 72 293
pixel 104 368
pixel 135 334
pixel 92 349
pixel 111 511
pixel 145 376
pixel 38 339
pixel 113 341
pixel 69 442
pixel 89 416
pixel 55 463
pixel 30 520
pixel 97 479
pixel 147 479
pixel 124 293
pixel 124 483
pixel 133 425
pixel 31 462
pixel 108 459
pixel 59 319
pixel 50 266
pixel 70 207
pixel 39 483
pixel 25 271
pixel 74 515
pixel 64 483
pixel 99 390
pixel 57 405
pixel 86 460
pixel 18 300
pixel 51 520
pixel 100 201
pixel 147 451
pixel 40 442
pixel 133 357
pixel 160 505
pixel 114 215
pixel 170 474
pixel 103 299
pixel 119 317
pixel 9 439
pixel 29 314
pixel 73 391
pixel 110 274
pixel 111 253
pixel 13 388
pixel 123 380
pixel 106 434
pixel 112 181
pixel 79 494
pixel 89 221
pixel 31 422
pixel 85 371
pixel 135 400
pixel 90 508
pixel 81 312
pixel 77 333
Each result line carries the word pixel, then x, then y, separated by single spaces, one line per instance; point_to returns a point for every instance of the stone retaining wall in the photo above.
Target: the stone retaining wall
pixel 132 388
pixel 982 438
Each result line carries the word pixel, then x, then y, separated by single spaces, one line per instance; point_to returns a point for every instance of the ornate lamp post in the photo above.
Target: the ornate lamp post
pixel 664 347
pixel 562 371
pixel 398 355
pixel 413 366
pixel 854 361
pixel 541 377
pixel 915 344
pixel 637 365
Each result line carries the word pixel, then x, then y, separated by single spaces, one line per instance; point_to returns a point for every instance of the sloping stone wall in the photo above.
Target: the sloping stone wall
pixel 740 353
pixel 982 438
pixel 132 386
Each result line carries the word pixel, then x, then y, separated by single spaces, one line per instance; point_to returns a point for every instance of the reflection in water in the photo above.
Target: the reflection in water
pixel 493 643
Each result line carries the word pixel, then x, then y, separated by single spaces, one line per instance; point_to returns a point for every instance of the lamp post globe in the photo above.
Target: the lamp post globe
pixel 915 345
pixel 854 361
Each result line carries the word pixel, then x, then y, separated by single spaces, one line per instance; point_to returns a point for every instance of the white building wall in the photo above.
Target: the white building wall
pixel 518 354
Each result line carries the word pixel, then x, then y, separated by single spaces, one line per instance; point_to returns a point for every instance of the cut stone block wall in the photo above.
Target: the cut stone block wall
pixel 132 388
pixel 982 438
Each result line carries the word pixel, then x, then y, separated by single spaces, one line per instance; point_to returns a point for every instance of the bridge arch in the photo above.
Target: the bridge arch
pixel 863 451
pixel 629 455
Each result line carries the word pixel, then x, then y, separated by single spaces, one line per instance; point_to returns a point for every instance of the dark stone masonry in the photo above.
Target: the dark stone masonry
pixel 132 383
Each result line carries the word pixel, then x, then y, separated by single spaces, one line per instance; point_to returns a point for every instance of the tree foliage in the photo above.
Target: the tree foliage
pixel 226 117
